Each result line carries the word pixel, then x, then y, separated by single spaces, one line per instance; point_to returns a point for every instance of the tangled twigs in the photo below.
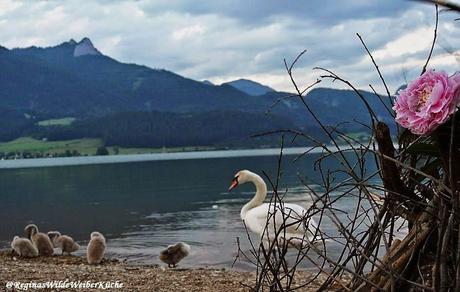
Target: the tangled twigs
pixel 372 189
pixel 391 175
pixel 401 252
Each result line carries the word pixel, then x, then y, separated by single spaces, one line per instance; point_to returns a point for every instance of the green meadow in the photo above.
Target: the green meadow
pixel 83 146
pixel 57 122
pixel 27 144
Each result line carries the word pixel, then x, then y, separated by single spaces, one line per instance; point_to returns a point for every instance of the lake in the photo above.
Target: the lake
pixel 143 206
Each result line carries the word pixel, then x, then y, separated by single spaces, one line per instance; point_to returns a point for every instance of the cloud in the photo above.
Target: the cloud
pixel 8 6
pixel 229 39
pixel 258 11
pixel 188 32
pixel 406 44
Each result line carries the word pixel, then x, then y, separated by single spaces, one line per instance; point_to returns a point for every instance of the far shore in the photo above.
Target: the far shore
pixel 132 277
pixel 124 158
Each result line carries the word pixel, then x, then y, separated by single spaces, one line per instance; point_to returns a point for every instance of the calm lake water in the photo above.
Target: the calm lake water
pixel 143 206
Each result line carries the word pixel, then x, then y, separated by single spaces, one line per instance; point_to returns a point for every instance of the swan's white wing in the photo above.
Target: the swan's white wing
pixel 296 228
pixel 256 220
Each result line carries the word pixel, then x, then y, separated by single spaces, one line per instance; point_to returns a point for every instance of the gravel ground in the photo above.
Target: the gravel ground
pixel 133 277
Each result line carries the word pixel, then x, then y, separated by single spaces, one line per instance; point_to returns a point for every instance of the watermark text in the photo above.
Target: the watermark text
pixel 66 284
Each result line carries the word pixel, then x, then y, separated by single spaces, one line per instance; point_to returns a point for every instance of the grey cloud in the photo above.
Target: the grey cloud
pixel 223 39
pixel 326 12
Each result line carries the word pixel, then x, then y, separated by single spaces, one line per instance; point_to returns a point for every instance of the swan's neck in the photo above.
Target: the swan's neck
pixel 261 193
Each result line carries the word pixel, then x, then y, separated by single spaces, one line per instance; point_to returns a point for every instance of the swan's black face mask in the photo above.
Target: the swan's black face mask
pixel 234 183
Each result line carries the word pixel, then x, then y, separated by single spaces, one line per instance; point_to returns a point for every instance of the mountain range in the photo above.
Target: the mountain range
pixel 250 87
pixel 110 99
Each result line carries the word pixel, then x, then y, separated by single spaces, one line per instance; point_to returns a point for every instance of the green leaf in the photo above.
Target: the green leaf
pixel 431 168
pixel 406 137
pixel 423 148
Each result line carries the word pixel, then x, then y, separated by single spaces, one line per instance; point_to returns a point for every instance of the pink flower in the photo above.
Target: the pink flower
pixel 427 102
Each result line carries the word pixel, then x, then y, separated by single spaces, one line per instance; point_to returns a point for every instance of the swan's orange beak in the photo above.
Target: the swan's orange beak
pixel 234 184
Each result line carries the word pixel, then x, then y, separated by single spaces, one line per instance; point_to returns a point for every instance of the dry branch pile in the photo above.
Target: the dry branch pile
pixel 418 184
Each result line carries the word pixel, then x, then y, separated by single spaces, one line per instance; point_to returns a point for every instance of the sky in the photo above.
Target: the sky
pixel 229 39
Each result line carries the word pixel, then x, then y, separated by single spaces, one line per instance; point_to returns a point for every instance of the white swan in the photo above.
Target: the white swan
pixel 256 213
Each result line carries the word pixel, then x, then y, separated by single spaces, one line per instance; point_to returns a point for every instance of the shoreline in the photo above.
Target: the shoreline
pixel 127 158
pixel 133 277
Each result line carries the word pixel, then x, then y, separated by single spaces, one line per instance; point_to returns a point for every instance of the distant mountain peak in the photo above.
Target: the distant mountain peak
pixel 207 82
pixel 250 87
pixel 85 47
pixel 72 42
pixel 85 40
